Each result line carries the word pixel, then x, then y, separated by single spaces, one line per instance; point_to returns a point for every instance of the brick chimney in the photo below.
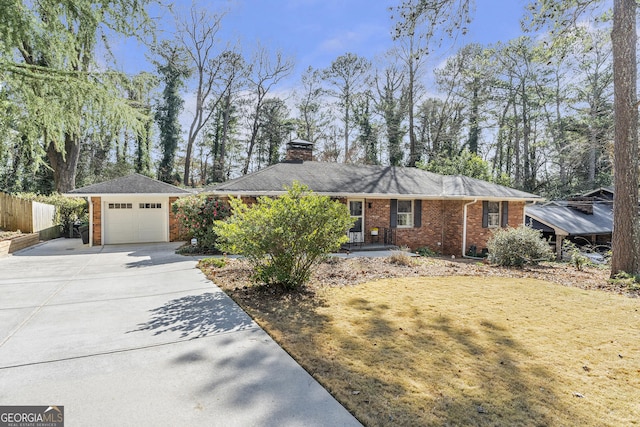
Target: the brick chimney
pixel 299 150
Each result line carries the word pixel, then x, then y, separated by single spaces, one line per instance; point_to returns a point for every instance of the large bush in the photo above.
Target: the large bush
pixel 518 246
pixel 284 237
pixel 197 214
pixel 68 209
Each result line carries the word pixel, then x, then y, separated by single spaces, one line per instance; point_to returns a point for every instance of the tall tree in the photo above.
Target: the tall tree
pixel 392 105
pixel 173 70
pixel 275 129
pixel 48 54
pixel 368 135
pixel 198 36
pixel 346 75
pixel 420 25
pixel 267 71
pixel 140 92
pixel 626 232
pixel 312 119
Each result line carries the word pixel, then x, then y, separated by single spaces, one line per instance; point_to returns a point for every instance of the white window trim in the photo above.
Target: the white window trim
pixel 411 214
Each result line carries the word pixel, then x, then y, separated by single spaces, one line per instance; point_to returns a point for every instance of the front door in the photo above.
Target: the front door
pixel 356 233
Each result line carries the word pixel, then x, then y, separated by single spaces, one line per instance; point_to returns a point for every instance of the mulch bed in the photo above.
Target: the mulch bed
pixel 236 275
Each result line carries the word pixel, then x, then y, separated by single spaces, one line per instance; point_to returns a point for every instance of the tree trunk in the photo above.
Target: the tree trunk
pixel 625 201
pixel 64 164
pixel 413 155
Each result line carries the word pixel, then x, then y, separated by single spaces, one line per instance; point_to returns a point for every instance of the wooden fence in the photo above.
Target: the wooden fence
pixel 28 217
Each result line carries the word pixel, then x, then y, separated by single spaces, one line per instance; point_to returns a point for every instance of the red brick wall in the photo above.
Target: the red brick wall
pixel 176 231
pixel 96 202
pixel 432 233
pixel 478 236
pixel 442 224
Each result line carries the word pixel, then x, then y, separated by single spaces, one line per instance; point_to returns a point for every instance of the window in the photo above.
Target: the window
pixel 120 206
pixel 150 205
pixel 405 213
pixel 493 215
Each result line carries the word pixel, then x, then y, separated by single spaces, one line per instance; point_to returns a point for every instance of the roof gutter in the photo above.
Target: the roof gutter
pixel 464 227
pixel 473 199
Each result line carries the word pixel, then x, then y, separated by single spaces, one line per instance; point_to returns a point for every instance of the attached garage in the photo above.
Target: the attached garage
pixel 131 209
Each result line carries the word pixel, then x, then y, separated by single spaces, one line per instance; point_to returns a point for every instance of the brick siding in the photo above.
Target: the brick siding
pixel 97 220
pixel 442 224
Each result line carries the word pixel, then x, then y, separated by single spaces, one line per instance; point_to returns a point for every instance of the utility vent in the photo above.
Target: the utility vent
pixel 582 204
pixel 299 150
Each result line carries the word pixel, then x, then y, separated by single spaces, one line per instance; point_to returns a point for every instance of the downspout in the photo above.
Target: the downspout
pixel 464 228
pixel 90 222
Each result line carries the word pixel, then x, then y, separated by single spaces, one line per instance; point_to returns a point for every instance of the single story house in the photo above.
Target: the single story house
pixel 131 209
pixel 586 219
pixel 452 215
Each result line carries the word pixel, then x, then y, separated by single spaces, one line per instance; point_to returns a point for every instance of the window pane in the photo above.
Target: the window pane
pixel 494 220
pixel 355 208
pixel 404 206
pixel 405 220
pixel 159 205
pixel 494 207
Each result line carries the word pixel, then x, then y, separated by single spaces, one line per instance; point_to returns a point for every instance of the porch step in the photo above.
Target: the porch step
pixel 355 247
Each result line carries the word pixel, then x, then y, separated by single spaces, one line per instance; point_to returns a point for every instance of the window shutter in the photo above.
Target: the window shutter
pixel 505 214
pixel 394 213
pixel 417 215
pixel 485 214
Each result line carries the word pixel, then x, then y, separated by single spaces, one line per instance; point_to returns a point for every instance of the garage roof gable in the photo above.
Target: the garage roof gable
pixel 131 184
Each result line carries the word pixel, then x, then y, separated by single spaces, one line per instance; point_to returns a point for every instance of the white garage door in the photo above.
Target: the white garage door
pixel 135 222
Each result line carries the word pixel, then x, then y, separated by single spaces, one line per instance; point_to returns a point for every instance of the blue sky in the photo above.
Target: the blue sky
pixel 315 32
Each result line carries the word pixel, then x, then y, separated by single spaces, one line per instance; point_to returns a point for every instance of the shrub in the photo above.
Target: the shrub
pixel 283 238
pixel 577 258
pixel 68 209
pixel 213 262
pixel 518 246
pixel 197 215
pixel 401 258
pixel 426 252
pixel 627 280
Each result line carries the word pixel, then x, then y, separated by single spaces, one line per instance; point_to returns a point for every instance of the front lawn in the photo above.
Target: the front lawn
pixel 461 350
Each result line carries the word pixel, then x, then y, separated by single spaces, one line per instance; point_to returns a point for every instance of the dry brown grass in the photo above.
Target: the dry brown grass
pixel 459 350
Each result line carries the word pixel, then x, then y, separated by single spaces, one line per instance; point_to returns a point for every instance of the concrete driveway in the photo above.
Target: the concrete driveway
pixel 136 335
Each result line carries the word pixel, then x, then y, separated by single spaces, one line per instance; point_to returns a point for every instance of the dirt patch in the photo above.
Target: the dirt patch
pixel 356 269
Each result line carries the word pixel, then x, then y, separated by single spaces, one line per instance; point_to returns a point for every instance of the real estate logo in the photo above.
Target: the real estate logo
pixel 32 416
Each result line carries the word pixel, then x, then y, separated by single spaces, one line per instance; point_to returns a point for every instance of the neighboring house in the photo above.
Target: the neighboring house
pixel 131 209
pixel 587 219
pixel 453 215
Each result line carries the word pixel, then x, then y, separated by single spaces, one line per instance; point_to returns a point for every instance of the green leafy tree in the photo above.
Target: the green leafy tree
pixel 197 215
pixel 346 75
pixel 283 238
pixel 47 64
pixel 466 163
pixel 173 70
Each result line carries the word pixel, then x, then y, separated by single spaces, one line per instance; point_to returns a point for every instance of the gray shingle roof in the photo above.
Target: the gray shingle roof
pixel 572 221
pixel 338 179
pixel 131 184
